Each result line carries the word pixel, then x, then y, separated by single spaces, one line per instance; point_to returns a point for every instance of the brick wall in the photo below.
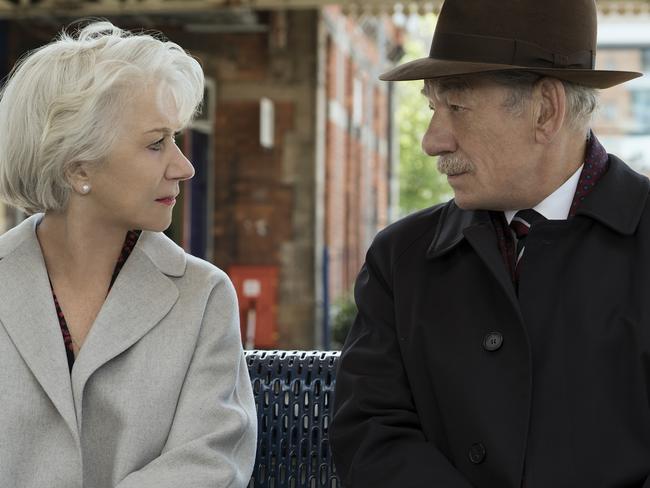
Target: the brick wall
pixel 357 141
pixel 253 204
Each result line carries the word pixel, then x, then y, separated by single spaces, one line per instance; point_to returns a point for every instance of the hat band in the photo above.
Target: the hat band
pixel 514 52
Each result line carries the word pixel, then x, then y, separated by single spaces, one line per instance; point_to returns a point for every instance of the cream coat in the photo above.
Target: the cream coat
pixel 159 395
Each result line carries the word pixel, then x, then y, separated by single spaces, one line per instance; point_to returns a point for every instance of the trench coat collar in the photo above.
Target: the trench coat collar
pixel 619 198
pixel 456 225
pixel 616 202
pixel 140 297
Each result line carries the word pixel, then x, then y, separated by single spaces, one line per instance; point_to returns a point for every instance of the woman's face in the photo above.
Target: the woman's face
pixel 136 186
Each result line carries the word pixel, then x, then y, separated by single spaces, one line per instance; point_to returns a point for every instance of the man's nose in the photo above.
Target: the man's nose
pixel 438 139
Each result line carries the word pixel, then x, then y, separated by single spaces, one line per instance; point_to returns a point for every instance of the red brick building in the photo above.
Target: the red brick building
pixel 359 148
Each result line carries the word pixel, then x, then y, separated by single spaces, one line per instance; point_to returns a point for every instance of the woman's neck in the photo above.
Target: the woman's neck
pixel 76 247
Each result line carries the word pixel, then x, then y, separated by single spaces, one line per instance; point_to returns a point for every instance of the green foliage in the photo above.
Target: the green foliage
pixel 421 185
pixel 344 311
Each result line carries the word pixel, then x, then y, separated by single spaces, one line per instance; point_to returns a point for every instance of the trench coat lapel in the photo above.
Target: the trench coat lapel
pixel 483 239
pixel 476 227
pixel 140 297
pixel 28 314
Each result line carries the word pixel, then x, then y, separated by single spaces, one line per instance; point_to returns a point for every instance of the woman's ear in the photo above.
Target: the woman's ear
pixel 78 176
pixel 549 99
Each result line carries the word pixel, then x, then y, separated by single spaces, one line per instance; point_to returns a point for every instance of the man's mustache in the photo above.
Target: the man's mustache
pixel 452 164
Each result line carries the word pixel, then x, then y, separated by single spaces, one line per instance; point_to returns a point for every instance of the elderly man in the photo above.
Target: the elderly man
pixel 503 338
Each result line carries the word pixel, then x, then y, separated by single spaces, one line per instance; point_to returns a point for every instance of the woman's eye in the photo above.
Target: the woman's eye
pixel 157 146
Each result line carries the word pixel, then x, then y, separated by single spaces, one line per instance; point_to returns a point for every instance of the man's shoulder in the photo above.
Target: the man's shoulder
pixel 623 171
pixel 414 230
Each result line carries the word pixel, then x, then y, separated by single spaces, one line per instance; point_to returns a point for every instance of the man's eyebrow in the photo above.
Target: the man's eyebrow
pixel 454 86
pixel 445 86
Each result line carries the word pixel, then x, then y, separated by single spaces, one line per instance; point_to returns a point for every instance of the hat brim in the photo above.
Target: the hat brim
pixel 428 68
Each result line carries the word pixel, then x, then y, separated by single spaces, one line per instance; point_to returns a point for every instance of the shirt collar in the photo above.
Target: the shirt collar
pixel 557 205
pixel 617 202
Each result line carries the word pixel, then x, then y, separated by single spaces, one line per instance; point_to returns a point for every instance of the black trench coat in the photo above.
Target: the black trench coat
pixel 450 379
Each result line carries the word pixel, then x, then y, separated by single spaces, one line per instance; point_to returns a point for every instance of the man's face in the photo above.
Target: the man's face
pixel 487 152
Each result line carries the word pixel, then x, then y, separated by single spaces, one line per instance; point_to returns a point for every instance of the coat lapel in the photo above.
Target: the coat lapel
pixel 483 239
pixel 140 297
pixel 28 314
pixel 455 225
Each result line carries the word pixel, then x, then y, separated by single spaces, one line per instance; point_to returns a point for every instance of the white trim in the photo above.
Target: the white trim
pixel 337 114
pixel 624 32
pixel 205 121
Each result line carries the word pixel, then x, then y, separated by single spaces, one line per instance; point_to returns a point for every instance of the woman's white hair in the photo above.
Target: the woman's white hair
pixel 62 102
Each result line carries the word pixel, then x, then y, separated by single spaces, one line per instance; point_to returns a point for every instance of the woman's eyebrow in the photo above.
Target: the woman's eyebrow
pixel 164 130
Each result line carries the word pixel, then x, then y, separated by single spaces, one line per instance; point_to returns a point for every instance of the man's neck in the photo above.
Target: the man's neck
pixel 562 160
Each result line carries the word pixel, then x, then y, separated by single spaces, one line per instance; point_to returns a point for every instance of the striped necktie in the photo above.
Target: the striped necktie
pixel 520 225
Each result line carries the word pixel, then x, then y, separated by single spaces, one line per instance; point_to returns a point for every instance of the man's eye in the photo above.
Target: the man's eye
pixel 456 108
pixel 432 108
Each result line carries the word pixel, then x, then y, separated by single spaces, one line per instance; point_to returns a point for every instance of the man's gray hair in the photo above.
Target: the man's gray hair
pixel 582 101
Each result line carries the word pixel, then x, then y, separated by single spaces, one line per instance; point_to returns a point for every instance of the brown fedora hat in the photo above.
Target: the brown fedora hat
pixel 550 37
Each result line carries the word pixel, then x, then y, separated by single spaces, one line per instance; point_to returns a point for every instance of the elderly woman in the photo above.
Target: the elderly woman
pixel 120 357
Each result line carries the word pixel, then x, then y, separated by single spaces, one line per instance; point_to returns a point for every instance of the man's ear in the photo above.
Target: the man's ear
pixel 550 103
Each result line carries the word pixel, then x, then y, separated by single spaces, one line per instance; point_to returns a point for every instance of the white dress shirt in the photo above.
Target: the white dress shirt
pixel 557 205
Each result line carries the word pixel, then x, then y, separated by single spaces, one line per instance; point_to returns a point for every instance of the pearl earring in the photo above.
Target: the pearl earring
pixel 85 189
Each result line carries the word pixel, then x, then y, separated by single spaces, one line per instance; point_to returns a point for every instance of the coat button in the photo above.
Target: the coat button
pixel 492 341
pixel 477 453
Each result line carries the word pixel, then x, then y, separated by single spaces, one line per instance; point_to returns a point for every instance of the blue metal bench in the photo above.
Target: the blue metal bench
pixel 294 394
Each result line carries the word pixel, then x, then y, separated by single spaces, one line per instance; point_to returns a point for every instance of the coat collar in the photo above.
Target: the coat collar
pixel 162 251
pixel 129 312
pixel 617 202
pixel 619 199
pixel 451 226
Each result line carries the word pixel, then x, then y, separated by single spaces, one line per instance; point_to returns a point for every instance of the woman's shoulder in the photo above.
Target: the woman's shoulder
pixel 14 237
pixel 199 268
pixel 173 261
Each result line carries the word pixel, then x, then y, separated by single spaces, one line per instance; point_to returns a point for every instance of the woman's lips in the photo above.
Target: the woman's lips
pixel 169 201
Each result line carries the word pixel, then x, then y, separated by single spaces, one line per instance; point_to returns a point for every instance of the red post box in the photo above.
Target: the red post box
pixel 257 292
